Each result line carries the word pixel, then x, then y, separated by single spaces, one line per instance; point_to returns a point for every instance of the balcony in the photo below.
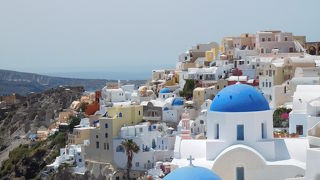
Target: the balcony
pixel 152 118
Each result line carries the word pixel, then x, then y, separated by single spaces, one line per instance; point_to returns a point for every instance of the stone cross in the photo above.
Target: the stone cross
pixel 190 159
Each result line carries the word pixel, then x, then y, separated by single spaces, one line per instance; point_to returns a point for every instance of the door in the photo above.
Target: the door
pixel 299 129
pixel 240 173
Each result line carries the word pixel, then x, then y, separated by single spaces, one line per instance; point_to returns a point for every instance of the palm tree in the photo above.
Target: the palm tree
pixel 131 147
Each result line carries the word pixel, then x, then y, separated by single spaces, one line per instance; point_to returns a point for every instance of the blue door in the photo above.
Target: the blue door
pixel 240 173
pixel 240 132
pixel 262 131
pixel 217 135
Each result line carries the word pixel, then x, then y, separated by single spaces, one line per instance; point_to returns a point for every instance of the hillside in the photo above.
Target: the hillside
pixel 24 83
pixel 38 109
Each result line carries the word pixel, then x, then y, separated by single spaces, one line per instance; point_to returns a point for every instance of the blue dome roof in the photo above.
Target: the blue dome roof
pixel 192 173
pixel 165 90
pixel 239 98
pixel 177 102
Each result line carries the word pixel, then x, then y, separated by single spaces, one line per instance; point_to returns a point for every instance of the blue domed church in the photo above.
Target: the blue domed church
pixel 239 140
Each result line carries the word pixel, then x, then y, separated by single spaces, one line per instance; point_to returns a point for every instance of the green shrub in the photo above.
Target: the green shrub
pixel 73 122
pixel 188 89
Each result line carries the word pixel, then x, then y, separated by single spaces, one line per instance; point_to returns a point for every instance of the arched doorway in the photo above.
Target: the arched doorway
pixel 312 50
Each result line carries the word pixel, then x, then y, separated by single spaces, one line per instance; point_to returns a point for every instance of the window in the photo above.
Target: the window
pixel 218 87
pixel 217 131
pixel 119 149
pixel 164 96
pixel 262 131
pixel 117 178
pixel 240 173
pixel 291 49
pixel 269 39
pixel 263 39
pixel 285 38
pixel 97 144
pixel 240 132
pixel 106 125
pixel 262 84
pixel 299 129
pixel 137 164
pixel 107 146
pixel 106 135
pixel 80 160
pixel 269 84
pixel 139 113
pixel 120 114
pixel 97 136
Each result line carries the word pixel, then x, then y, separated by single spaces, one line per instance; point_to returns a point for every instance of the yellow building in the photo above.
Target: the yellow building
pixel 100 148
pixel 201 94
pixel 198 96
pixel 174 80
pixel 212 54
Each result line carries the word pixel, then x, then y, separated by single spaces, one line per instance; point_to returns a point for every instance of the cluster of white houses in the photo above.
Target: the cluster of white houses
pixel 226 125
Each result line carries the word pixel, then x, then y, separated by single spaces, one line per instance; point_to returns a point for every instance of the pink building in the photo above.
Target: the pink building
pixel 185 130
pixel 269 41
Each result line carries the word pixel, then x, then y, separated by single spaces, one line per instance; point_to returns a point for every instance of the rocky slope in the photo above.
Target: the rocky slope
pixel 38 109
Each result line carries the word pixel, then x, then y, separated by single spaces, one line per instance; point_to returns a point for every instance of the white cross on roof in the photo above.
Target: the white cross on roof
pixel 190 159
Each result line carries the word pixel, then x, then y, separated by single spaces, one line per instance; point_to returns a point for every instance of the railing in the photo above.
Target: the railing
pixel 314 135
pixel 152 118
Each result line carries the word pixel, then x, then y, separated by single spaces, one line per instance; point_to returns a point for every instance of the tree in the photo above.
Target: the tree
pixel 73 122
pixel 131 147
pixel 188 89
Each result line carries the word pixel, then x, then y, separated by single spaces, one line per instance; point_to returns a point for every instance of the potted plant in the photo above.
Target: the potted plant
pixel 275 134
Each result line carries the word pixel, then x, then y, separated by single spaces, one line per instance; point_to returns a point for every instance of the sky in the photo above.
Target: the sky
pixel 127 39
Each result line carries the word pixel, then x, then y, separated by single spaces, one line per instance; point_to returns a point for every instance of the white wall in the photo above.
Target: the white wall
pixel 255 167
pixel 313 159
pixel 297 119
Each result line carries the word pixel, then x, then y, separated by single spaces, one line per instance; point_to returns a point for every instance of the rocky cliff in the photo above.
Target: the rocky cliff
pixel 38 109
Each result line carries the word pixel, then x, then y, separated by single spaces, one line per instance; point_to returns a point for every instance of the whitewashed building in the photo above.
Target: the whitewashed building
pixel 156 142
pixel 240 140
pixel 298 116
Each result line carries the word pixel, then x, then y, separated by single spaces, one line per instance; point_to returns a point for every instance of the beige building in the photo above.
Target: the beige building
pixel 275 76
pixel 9 99
pixel 201 94
pixel 229 44
pixel 263 43
pixel 79 135
pixel 64 116
pixel 100 148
